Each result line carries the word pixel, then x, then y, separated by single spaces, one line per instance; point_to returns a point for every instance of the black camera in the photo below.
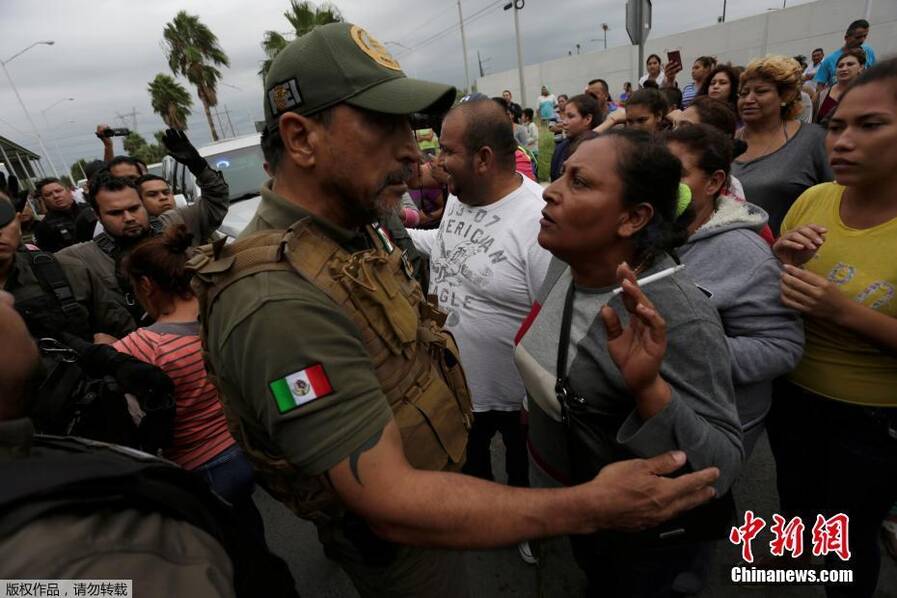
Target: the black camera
pixel 114 133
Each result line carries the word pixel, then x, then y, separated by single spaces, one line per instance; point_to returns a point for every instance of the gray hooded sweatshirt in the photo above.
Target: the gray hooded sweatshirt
pixel 737 269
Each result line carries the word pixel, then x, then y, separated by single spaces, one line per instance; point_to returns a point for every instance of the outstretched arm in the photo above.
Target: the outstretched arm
pixel 429 508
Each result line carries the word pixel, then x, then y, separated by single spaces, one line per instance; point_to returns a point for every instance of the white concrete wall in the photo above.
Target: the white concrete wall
pixel 792 31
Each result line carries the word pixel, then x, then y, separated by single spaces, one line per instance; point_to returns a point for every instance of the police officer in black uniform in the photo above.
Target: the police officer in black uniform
pixel 57 229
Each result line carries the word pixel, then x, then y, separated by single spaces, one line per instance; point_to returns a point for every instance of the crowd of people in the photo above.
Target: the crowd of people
pixel 708 262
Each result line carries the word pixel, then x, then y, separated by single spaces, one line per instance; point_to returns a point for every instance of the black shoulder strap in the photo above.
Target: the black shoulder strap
pixel 53 280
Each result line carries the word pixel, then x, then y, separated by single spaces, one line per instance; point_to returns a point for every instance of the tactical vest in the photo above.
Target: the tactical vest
pixel 65 228
pixel 415 360
pixel 55 309
pixel 108 246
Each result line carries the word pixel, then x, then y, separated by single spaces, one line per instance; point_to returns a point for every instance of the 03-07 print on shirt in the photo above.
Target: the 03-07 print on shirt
pixel 470 258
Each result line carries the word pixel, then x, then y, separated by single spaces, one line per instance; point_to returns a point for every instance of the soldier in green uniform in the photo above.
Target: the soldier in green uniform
pixel 335 373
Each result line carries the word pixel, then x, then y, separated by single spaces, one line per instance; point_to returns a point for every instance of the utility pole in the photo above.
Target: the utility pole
pixel 220 126
pixel 230 124
pixel 464 48
pixel 12 86
pixel 518 5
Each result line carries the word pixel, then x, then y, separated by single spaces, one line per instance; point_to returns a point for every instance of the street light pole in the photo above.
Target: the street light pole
pixel 518 6
pixel 43 114
pixel 3 64
pixel 464 49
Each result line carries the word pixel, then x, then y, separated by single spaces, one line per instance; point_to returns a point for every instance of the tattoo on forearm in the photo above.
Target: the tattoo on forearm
pixel 356 454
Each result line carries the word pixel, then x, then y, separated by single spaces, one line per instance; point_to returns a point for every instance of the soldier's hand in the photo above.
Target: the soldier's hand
pixel 638 496
pixel 180 148
pixel 148 383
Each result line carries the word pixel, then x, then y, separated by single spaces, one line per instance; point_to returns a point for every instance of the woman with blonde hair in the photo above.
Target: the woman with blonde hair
pixel 784 157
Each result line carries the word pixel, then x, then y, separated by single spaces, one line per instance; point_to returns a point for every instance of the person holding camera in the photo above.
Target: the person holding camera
pixel 125 220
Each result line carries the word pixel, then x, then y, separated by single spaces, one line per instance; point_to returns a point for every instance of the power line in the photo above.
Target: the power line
pixel 451 28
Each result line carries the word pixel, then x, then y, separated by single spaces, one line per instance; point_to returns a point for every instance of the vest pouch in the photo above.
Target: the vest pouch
pixel 446 354
pixel 308 497
pixel 371 285
pixel 430 421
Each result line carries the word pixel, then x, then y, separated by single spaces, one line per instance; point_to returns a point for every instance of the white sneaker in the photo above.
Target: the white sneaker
pixel 526 553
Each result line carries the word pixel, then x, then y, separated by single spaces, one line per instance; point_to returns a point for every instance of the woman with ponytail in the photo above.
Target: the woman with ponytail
pixel 728 258
pixel 633 372
pixel 202 442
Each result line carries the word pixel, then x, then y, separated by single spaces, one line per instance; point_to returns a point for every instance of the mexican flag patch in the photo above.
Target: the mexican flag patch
pixel 299 388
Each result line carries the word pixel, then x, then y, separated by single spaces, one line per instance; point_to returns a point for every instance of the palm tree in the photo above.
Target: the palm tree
pixel 192 50
pixel 170 100
pixel 303 17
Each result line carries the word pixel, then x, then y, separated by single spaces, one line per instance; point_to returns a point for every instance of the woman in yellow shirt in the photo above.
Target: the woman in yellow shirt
pixel 833 426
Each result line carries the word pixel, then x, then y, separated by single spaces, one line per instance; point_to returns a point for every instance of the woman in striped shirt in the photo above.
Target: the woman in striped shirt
pixel 202 442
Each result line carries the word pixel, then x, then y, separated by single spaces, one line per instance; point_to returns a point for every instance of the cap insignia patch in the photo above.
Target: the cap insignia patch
pixel 284 97
pixel 373 48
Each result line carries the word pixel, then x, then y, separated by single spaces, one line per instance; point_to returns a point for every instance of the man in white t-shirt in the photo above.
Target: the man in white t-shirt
pixel 485 269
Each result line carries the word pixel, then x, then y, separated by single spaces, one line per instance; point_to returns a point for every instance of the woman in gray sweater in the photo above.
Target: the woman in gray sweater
pixel 615 375
pixel 736 268
pixel 784 156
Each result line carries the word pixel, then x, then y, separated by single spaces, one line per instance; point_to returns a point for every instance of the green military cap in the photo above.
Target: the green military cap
pixel 7 211
pixel 342 62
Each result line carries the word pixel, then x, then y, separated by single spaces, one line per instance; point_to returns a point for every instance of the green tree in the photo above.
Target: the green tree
pixel 170 100
pixel 192 50
pixel 137 147
pixel 303 17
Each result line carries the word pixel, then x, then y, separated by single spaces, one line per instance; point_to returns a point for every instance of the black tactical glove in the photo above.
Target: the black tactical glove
pixel 152 387
pixel 180 148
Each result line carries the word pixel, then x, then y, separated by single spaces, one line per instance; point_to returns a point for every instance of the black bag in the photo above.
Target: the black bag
pixel 589 433
pixel 76 476
pixel 69 402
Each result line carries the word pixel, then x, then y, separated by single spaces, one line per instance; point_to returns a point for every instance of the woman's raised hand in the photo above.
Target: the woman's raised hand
pixel 638 349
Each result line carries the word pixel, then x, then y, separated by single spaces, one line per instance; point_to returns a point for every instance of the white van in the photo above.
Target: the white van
pixel 241 162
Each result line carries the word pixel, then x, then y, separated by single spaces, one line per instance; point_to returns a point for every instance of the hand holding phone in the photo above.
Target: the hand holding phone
pixel 674 65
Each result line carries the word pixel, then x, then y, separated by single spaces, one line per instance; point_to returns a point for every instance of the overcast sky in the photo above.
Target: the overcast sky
pixel 106 52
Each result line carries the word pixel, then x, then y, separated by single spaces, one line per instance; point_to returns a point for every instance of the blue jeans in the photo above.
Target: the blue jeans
pixel 230 475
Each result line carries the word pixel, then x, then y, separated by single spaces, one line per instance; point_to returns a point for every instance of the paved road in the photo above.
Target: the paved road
pixel 502 573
